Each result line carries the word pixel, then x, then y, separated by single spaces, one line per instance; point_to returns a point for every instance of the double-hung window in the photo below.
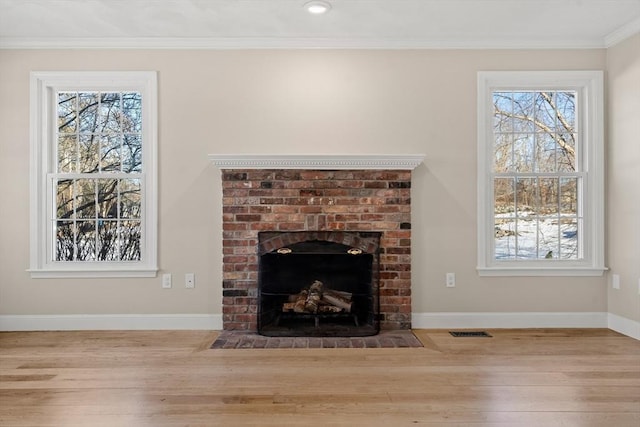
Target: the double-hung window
pixel 93 178
pixel 540 173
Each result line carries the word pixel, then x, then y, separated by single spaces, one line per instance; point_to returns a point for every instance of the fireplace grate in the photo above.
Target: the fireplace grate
pixel 466 334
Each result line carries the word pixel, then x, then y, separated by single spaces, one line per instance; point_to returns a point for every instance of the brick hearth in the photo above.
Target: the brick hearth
pixel 257 200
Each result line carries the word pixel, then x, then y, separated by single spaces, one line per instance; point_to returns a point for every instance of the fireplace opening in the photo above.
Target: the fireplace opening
pixel 326 285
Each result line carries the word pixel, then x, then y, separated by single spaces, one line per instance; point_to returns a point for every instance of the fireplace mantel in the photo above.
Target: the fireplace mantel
pixel 315 194
pixel 317 161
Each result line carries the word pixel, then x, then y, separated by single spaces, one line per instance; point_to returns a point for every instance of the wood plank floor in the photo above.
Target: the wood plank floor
pixel 552 377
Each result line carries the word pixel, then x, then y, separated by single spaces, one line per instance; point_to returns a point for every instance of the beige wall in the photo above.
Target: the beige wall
pixel 309 101
pixel 623 185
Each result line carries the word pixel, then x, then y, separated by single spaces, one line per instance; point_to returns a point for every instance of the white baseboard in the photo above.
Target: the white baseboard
pixel 83 322
pixel 624 326
pixel 509 320
pixel 80 322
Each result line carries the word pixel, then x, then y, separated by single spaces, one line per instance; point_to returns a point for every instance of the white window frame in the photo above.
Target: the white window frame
pixel 589 87
pixel 44 88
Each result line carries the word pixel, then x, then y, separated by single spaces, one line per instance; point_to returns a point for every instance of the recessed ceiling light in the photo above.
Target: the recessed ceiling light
pixel 317 7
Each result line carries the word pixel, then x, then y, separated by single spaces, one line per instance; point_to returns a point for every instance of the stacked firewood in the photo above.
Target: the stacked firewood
pixel 318 299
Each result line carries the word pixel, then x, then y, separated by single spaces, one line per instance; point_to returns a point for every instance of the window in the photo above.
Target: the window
pixel 540 173
pixel 93 189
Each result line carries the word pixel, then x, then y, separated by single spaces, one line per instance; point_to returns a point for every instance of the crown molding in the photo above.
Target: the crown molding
pixel 317 161
pixel 622 33
pixel 223 43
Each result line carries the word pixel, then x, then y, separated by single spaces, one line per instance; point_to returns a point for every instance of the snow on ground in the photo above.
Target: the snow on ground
pixel 536 237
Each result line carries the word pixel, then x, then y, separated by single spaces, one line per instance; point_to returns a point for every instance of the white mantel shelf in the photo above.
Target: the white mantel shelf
pixel 317 161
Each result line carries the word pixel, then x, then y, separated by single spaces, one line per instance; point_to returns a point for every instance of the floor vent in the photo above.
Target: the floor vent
pixel 469 334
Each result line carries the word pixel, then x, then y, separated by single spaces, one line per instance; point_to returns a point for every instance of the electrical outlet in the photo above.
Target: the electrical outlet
pixel 166 280
pixel 615 281
pixel 451 280
pixel 189 280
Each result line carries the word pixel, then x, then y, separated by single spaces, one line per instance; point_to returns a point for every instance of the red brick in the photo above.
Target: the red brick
pixel 388 308
pixel 226 208
pixel 249 217
pixel 261 226
pixel 246 318
pixel 234 226
pixel 235 259
pixel 401 234
pixel 260 209
pixel 269 200
pixel 311 209
pixel 311 175
pixel 288 209
pixel 359 226
pixel 235 192
pixel 233 309
pixel 291 226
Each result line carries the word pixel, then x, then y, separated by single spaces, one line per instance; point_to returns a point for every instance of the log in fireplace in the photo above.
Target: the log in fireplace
pixel 322 283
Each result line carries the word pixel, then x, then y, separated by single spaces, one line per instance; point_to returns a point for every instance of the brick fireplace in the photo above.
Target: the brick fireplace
pixel 334 193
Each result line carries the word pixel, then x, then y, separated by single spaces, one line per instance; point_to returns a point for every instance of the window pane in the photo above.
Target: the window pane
pixel 548 237
pixel 548 196
pixel 110 148
pixel 513 111
pixel 526 237
pixel 526 222
pixel 569 196
pixel 523 111
pixel 86 241
pixel 64 199
pixel 545 112
pixel 132 154
pixel 65 237
pixel 503 153
pixel 109 113
pixel 67 153
pixel 503 105
pixel 88 109
pixel 548 227
pixel 504 223
pixel 523 152
pixel 569 248
pixel 130 233
pixel 85 198
pixel 89 156
pixel 107 198
pixel 566 109
pixel 132 112
pixel 505 238
pixel 130 198
pixel 67 114
pixel 545 160
pixel 526 192
pixel 566 152
pixel 108 240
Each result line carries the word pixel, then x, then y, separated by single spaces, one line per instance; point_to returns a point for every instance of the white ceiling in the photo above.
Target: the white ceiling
pixel 286 24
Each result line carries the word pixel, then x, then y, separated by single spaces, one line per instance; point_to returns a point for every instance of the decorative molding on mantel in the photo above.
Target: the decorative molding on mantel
pixel 317 161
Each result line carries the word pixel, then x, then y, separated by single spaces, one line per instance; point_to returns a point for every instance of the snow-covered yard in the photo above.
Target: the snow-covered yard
pixel 536 237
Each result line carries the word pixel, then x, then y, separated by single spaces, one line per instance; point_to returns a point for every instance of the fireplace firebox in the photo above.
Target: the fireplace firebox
pixel 318 283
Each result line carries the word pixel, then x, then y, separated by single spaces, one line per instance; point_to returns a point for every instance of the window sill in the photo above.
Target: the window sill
pixel 69 273
pixel 542 271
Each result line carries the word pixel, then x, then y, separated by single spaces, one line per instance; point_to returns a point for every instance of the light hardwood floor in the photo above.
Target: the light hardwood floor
pixel 164 378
